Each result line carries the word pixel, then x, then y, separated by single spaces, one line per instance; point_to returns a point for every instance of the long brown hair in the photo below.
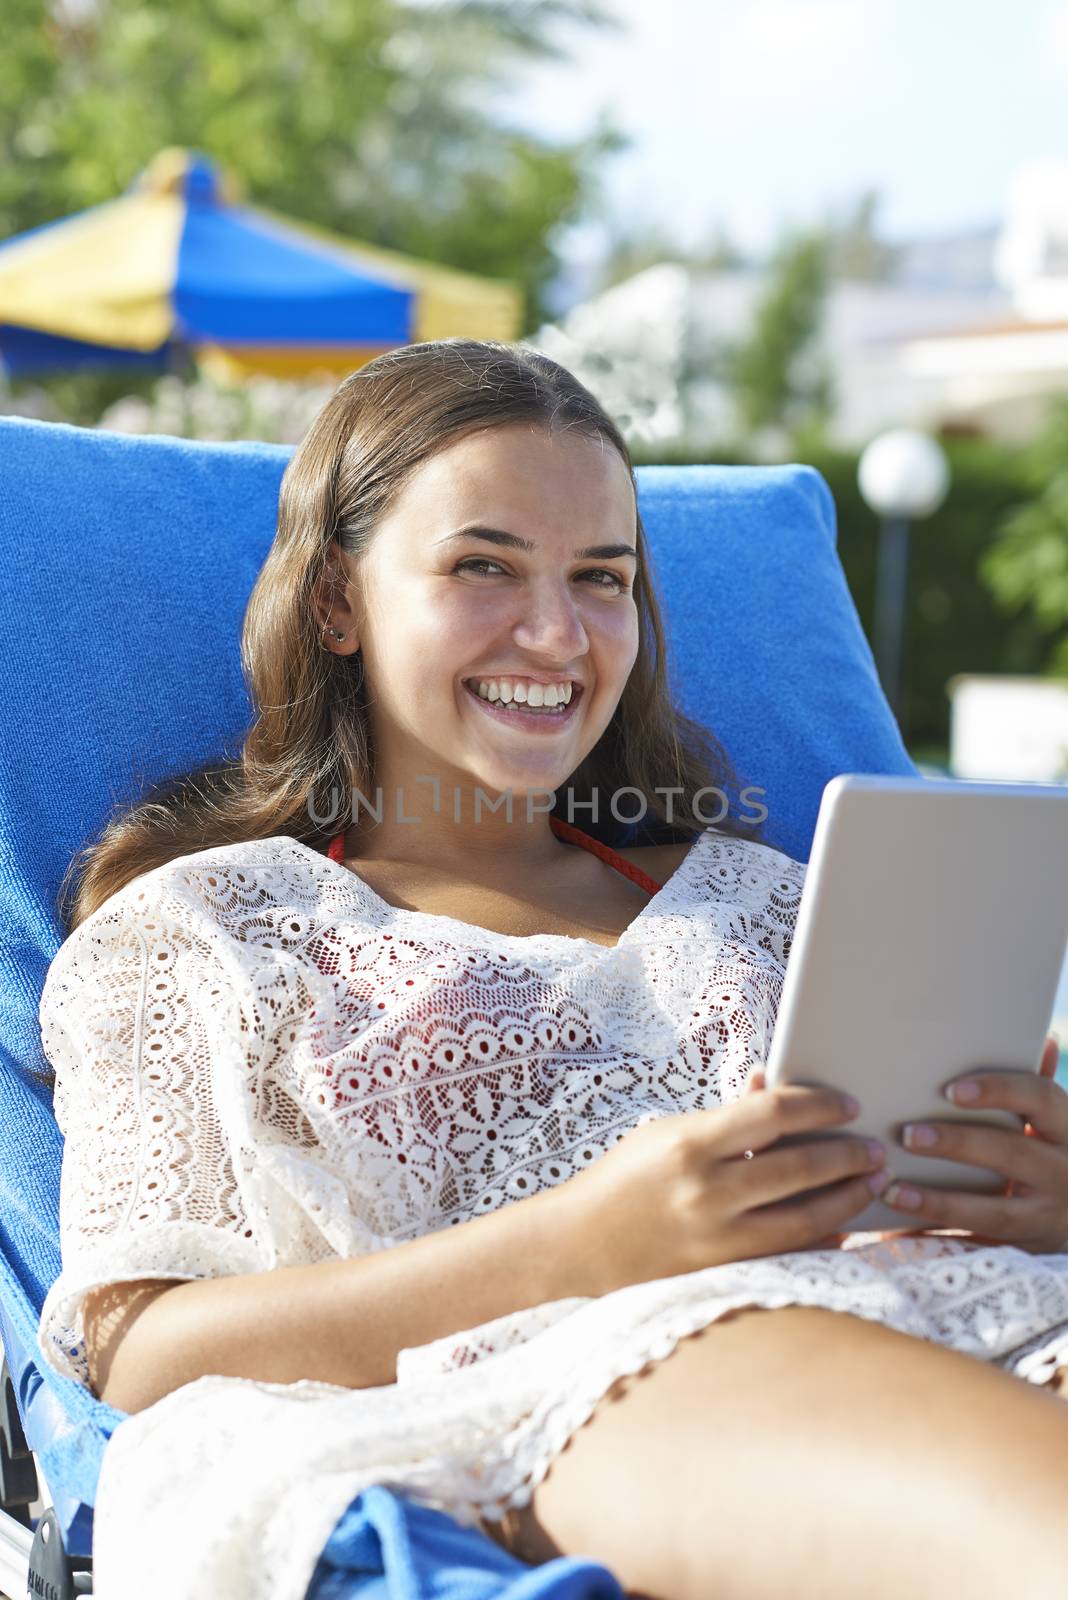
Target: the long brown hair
pixel 311 734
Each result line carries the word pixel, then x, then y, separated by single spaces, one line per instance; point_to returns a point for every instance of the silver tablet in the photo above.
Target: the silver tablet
pixel 929 941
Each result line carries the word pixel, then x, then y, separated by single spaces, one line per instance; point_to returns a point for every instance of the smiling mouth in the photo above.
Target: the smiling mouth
pixel 520 715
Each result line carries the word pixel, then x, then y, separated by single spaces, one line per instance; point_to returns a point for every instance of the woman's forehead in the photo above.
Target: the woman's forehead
pixel 500 474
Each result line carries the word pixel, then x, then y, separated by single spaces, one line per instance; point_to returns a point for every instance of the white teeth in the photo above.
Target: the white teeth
pixel 508 690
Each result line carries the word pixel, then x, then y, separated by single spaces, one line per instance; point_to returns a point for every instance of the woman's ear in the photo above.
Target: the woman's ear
pixel 333 609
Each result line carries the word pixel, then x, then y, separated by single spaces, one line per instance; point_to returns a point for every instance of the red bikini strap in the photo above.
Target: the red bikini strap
pixel 570 835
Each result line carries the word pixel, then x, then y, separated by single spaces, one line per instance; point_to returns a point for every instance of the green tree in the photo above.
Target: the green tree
pixel 633 249
pixel 856 251
pixel 648 244
pixel 778 375
pixel 373 118
pixel 1026 569
pixel 719 253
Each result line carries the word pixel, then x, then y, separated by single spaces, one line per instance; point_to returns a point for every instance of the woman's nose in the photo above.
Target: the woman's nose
pixel 550 620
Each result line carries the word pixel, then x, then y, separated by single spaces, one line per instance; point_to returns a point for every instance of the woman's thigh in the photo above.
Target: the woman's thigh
pixel 809 1452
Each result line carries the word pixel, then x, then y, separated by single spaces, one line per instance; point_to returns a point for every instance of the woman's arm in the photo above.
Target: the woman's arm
pixel 340 1322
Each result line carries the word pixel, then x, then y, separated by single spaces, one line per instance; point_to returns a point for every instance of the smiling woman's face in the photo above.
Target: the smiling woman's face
pixel 447 611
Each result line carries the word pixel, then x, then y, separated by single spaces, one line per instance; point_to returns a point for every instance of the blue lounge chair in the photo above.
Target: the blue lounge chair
pixel 128 564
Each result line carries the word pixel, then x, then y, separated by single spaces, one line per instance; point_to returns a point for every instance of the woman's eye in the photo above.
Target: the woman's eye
pixel 603 572
pixel 593 572
pixel 473 561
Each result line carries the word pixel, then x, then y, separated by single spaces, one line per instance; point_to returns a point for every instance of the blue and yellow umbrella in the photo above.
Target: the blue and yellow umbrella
pixel 179 263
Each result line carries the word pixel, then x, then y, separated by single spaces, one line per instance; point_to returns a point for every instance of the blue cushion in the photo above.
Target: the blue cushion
pixel 128 563
pixel 130 595
pixel 767 648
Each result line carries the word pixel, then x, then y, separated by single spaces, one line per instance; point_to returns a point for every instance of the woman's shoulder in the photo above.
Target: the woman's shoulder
pixel 221 863
pixel 658 860
pixel 190 895
pixel 661 860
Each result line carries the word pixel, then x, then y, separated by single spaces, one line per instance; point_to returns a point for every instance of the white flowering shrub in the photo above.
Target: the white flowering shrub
pixel 271 409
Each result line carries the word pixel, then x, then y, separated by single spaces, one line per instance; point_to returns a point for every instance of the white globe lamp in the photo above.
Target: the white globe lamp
pixel 903 476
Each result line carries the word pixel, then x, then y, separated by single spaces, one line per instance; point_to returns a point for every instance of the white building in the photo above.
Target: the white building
pixel 972 331
pixel 653 350
pixel 1000 377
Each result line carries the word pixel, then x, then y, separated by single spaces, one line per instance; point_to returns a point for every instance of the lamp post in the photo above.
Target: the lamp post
pixel 903 475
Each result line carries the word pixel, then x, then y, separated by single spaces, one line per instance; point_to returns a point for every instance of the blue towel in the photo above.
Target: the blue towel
pixel 385 1547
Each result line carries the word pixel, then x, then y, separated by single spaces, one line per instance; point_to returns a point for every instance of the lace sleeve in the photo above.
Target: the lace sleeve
pixel 761 884
pixel 749 894
pixel 144 1021
pixel 780 901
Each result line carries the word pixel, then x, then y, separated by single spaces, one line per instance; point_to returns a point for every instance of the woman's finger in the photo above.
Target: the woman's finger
pixel 1012 1154
pixel 1051 1055
pixel 1037 1221
pixel 1032 1095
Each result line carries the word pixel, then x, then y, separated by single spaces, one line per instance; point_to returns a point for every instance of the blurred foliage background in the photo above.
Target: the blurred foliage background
pixel 988 574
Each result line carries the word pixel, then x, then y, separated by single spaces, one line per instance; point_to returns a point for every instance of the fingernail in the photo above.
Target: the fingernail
pixel 903 1194
pixel 963 1092
pixel 918 1136
pixel 852 1106
pixel 878 1181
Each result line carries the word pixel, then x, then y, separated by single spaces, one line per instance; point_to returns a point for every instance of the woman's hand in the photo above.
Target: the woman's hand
pixel 1032 1212
pixel 701 1188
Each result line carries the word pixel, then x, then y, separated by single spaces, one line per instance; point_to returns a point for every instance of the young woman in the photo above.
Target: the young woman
pixel 431 1137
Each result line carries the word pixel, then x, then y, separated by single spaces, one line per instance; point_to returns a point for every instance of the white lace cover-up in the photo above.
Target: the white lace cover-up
pixel 260 1063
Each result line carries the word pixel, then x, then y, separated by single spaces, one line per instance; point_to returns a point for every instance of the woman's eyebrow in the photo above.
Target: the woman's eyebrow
pixel 599 552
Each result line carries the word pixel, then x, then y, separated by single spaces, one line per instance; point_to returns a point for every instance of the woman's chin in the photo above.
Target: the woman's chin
pixel 538 779
pixel 519 785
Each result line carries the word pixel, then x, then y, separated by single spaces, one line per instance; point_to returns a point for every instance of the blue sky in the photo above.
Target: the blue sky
pixel 763 112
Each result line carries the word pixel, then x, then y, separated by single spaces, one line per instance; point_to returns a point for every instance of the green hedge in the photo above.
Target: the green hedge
pixel 953 623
